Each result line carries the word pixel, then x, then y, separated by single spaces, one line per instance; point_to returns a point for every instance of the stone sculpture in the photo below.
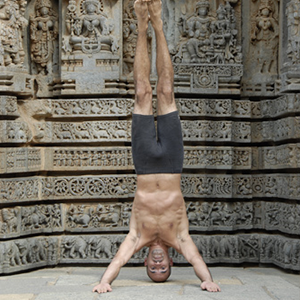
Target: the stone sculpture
pixel 43 34
pixel 89 30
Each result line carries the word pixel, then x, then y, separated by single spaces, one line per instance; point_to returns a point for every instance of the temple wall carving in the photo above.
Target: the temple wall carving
pixel 66 96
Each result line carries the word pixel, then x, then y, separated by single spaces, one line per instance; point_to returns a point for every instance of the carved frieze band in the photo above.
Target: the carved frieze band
pixel 16 160
pixel 109 107
pixel 23 254
pixel 115 216
pixel 18 190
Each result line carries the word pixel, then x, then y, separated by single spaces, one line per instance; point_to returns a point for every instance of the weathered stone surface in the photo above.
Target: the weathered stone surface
pixel 8 106
pixel 15 132
pixel 16 160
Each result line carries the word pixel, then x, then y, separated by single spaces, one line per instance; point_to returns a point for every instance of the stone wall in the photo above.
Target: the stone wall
pixel 67 180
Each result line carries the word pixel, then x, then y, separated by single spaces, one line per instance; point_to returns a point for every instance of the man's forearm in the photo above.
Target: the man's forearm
pixel 111 272
pixel 201 269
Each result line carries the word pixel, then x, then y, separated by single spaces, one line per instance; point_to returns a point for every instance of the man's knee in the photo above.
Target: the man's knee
pixel 143 92
pixel 165 90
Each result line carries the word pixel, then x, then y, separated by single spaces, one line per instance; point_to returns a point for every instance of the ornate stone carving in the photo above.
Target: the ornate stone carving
pixel 91 131
pixel 25 254
pixel 104 216
pixel 279 130
pixel 264 38
pixel 8 106
pixel 14 160
pixel 14 132
pixel 41 218
pixel 43 34
pixel 89 158
pixel 19 190
pixel 293 26
pixel 91 107
pixel 90 30
pixel 92 187
pixel 12 26
pixel 216 131
pixel 208 47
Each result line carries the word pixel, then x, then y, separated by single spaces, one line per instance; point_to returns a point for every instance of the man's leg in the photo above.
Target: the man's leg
pixel 165 72
pixel 141 70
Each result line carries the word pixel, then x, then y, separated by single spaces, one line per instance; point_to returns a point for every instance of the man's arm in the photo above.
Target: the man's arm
pixel 126 250
pixel 192 255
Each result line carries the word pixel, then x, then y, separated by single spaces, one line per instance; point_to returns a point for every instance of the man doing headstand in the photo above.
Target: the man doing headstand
pixel 159 219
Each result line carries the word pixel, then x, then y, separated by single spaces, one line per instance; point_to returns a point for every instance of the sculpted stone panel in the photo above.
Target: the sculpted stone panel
pixel 216 131
pixel 99 187
pixel 290 40
pixel 287 104
pixel 103 158
pixel 204 40
pixel 279 130
pixel 8 106
pixel 26 220
pixel 15 132
pixel 13 160
pixel 26 254
pixel 91 37
pixel 261 44
pixel 19 189
pixel 101 217
pixel 91 107
pixel 284 186
pixel 214 107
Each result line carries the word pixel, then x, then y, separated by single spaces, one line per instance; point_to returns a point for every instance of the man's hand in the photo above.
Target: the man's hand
pixel 102 288
pixel 210 286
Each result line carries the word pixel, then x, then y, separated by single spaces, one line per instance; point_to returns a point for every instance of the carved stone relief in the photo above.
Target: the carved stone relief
pixel 91 37
pixel 206 49
pixel 8 106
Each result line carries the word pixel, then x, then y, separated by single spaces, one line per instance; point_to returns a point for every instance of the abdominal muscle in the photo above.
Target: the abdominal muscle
pixel 159 210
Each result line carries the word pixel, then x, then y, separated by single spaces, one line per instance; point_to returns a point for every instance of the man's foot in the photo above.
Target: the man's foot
pixel 142 14
pixel 154 7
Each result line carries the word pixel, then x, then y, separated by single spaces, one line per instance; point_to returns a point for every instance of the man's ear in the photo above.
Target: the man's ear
pixel 171 262
pixel 145 262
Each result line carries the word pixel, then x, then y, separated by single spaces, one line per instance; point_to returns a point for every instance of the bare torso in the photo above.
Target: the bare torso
pixel 158 212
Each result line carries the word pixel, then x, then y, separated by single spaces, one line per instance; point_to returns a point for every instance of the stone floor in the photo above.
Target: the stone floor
pixel 76 283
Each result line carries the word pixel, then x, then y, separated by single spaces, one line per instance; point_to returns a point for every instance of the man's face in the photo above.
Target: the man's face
pixel 158 264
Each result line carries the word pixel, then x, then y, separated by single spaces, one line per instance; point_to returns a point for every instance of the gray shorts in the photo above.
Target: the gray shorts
pixel 161 153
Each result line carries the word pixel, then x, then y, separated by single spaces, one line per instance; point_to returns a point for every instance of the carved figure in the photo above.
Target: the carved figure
pixel 43 33
pixel 291 252
pixel 209 39
pixel 264 36
pixel 101 246
pixel 12 26
pixel 10 219
pixel 89 31
pixel 76 246
pixel 13 254
pixel 293 23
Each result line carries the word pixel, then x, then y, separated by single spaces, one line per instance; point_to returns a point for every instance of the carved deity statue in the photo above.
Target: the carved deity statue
pixel 209 39
pixel 89 31
pixel 12 26
pixel 264 37
pixel 43 33
pixel 293 23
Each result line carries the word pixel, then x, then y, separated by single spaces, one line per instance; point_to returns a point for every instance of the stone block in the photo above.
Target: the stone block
pixel 214 107
pixel 26 220
pixel 15 132
pixel 25 254
pixel 16 160
pixel 108 107
pixel 8 106
pixel 225 131
pixel 17 190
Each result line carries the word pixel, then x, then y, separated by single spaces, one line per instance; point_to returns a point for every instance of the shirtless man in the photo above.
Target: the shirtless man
pixel 158 219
